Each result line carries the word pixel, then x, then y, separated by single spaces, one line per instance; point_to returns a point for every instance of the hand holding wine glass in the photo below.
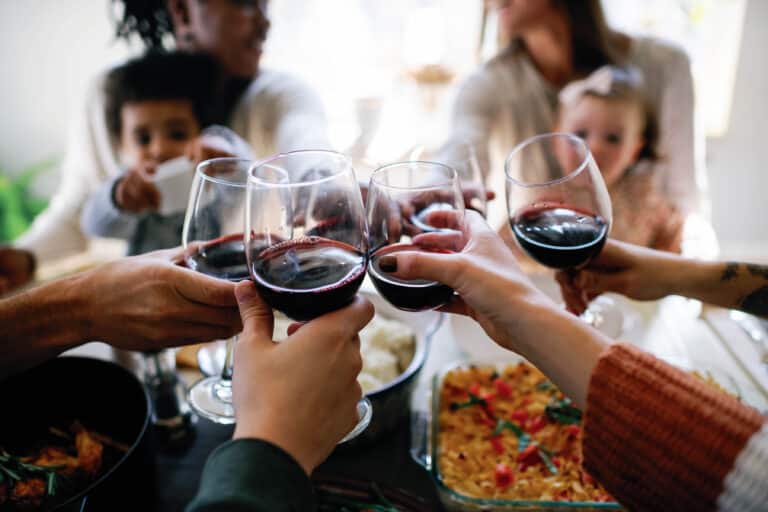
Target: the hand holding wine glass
pixel 307 238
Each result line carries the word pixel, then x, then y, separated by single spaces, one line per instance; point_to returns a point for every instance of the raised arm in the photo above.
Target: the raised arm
pixel 139 303
pixel 656 437
pixel 645 274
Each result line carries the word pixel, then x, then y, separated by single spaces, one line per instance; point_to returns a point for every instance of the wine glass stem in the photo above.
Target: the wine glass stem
pixel 223 388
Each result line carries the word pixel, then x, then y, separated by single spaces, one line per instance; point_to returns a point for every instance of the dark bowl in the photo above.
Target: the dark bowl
pixel 106 399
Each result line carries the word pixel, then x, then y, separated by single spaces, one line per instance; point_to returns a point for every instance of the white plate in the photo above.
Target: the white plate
pixel 173 180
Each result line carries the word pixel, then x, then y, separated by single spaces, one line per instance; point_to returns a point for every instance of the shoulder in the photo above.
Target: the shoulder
pixel 277 83
pixel 487 83
pixel 658 52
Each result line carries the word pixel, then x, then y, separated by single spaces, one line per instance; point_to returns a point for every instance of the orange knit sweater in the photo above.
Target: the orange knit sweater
pixel 658 438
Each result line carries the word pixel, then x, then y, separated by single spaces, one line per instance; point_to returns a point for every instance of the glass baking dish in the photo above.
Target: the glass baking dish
pixel 424 450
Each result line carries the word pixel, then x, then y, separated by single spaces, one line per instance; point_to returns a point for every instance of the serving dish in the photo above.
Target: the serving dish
pixel 106 399
pixel 426 447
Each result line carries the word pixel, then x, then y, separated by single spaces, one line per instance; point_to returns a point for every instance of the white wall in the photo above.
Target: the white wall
pixel 49 49
pixel 736 163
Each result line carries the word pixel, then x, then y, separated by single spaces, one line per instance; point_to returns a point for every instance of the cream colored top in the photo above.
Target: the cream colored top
pixel 507 101
pixel 277 113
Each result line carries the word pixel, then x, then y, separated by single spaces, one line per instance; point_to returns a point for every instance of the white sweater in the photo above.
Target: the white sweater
pixel 507 101
pixel 277 113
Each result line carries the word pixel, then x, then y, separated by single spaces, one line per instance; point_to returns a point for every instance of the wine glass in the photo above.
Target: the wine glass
pixel 413 206
pixel 214 245
pixel 462 156
pixel 307 243
pixel 558 204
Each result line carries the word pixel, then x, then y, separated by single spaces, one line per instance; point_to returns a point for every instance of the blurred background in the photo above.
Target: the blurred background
pixel 387 72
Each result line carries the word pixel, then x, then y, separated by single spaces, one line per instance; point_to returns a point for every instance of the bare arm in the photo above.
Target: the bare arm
pixel 645 274
pixel 135 303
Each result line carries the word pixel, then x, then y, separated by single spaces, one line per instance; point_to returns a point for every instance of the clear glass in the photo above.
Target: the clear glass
pixel 462 157
pixel 214 245
pixel 558 204
pixel 307 244
pixel 413 206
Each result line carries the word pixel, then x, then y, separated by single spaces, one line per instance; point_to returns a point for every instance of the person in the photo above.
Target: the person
pixel 607 109
pixel 514 95
pixel 656 437
pixel 286 423
pixel 149 301
pixel 644 274
pixel 156 106
pixel 136 303
pixel 273 111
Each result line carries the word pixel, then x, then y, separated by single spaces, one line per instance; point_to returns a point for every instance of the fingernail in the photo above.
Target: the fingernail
pixel 388 263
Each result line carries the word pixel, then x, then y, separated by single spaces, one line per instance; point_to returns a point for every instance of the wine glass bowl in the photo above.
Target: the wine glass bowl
pixel 413 206
pixel 558 204
pixel 213 241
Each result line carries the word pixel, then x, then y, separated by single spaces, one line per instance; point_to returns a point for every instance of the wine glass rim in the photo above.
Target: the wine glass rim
pixel 431 186
pixel 536 138
pixel 216 179
pixel 266 161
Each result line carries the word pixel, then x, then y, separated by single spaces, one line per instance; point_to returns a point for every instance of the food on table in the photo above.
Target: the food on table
pixel 59 467
pixel 387 347
pixel 512 435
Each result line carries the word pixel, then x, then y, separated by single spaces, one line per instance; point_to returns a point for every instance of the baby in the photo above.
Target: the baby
pixel 156 107
pixel 609 111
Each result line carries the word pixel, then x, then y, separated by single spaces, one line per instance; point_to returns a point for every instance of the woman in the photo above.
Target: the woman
pixel 656 437
pixel 514 96
pixel 272 111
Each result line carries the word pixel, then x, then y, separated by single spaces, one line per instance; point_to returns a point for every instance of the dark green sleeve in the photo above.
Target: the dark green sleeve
pixel 254 475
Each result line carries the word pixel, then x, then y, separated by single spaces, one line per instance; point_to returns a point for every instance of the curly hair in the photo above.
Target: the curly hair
pixel 161 75
pixel 147 19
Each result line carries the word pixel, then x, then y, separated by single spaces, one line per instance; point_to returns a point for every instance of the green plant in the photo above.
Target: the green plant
pixel 18 204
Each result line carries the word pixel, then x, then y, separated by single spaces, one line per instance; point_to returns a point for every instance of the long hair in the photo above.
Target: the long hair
pixel 594 43
pixel 147 19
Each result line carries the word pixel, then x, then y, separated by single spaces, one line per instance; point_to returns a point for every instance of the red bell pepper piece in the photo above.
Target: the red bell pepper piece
pixel 535 424
pixel 520 416
pixel 504 476
pixel 498 446
pixel 502 388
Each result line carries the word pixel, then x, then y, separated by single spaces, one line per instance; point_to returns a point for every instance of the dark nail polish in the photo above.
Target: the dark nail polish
pixel 388 263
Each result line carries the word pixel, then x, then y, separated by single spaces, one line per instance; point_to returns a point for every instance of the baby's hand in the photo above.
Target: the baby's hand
pixel 135 191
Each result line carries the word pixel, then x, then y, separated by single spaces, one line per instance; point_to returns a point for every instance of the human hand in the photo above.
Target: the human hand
pixel 135 191
pixel 491 287
pixel 17 267
pixel 636 272
pixel 150 302
pixel 301 393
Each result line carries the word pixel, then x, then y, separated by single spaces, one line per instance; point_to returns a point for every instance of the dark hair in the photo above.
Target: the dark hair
pixel 594 43
pixel 148 19
pixel 162 76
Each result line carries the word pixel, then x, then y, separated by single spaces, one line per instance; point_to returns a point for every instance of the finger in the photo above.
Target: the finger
pixel 432 266
pixel 456 306
pixel 203 289
pixel 347 321
pixel 5 285
pixel 177 334
pixel 450 241
pixel 258 322
pixel 490 195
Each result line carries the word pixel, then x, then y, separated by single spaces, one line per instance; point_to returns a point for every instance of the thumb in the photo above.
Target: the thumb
pixel 258 322
pixel 439 267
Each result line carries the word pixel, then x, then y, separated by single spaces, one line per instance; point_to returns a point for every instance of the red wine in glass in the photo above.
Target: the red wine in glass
pixel 223 259
pixel 558 236
pixel 307 277
pixel 409 295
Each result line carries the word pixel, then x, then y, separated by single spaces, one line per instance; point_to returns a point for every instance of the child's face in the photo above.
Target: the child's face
pixel 613 130
pixel 154 131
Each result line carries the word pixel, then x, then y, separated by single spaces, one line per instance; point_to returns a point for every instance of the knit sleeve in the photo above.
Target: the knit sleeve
pixel 658 438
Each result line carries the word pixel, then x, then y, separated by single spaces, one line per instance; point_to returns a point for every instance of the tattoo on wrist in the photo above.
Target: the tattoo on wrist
pixel 730 271
pixel 758 270
pixel 756 303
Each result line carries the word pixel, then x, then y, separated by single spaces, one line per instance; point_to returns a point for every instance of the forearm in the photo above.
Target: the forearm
pixel 740 286
pixel 41 323
pixel 560 344
pixel 658 438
